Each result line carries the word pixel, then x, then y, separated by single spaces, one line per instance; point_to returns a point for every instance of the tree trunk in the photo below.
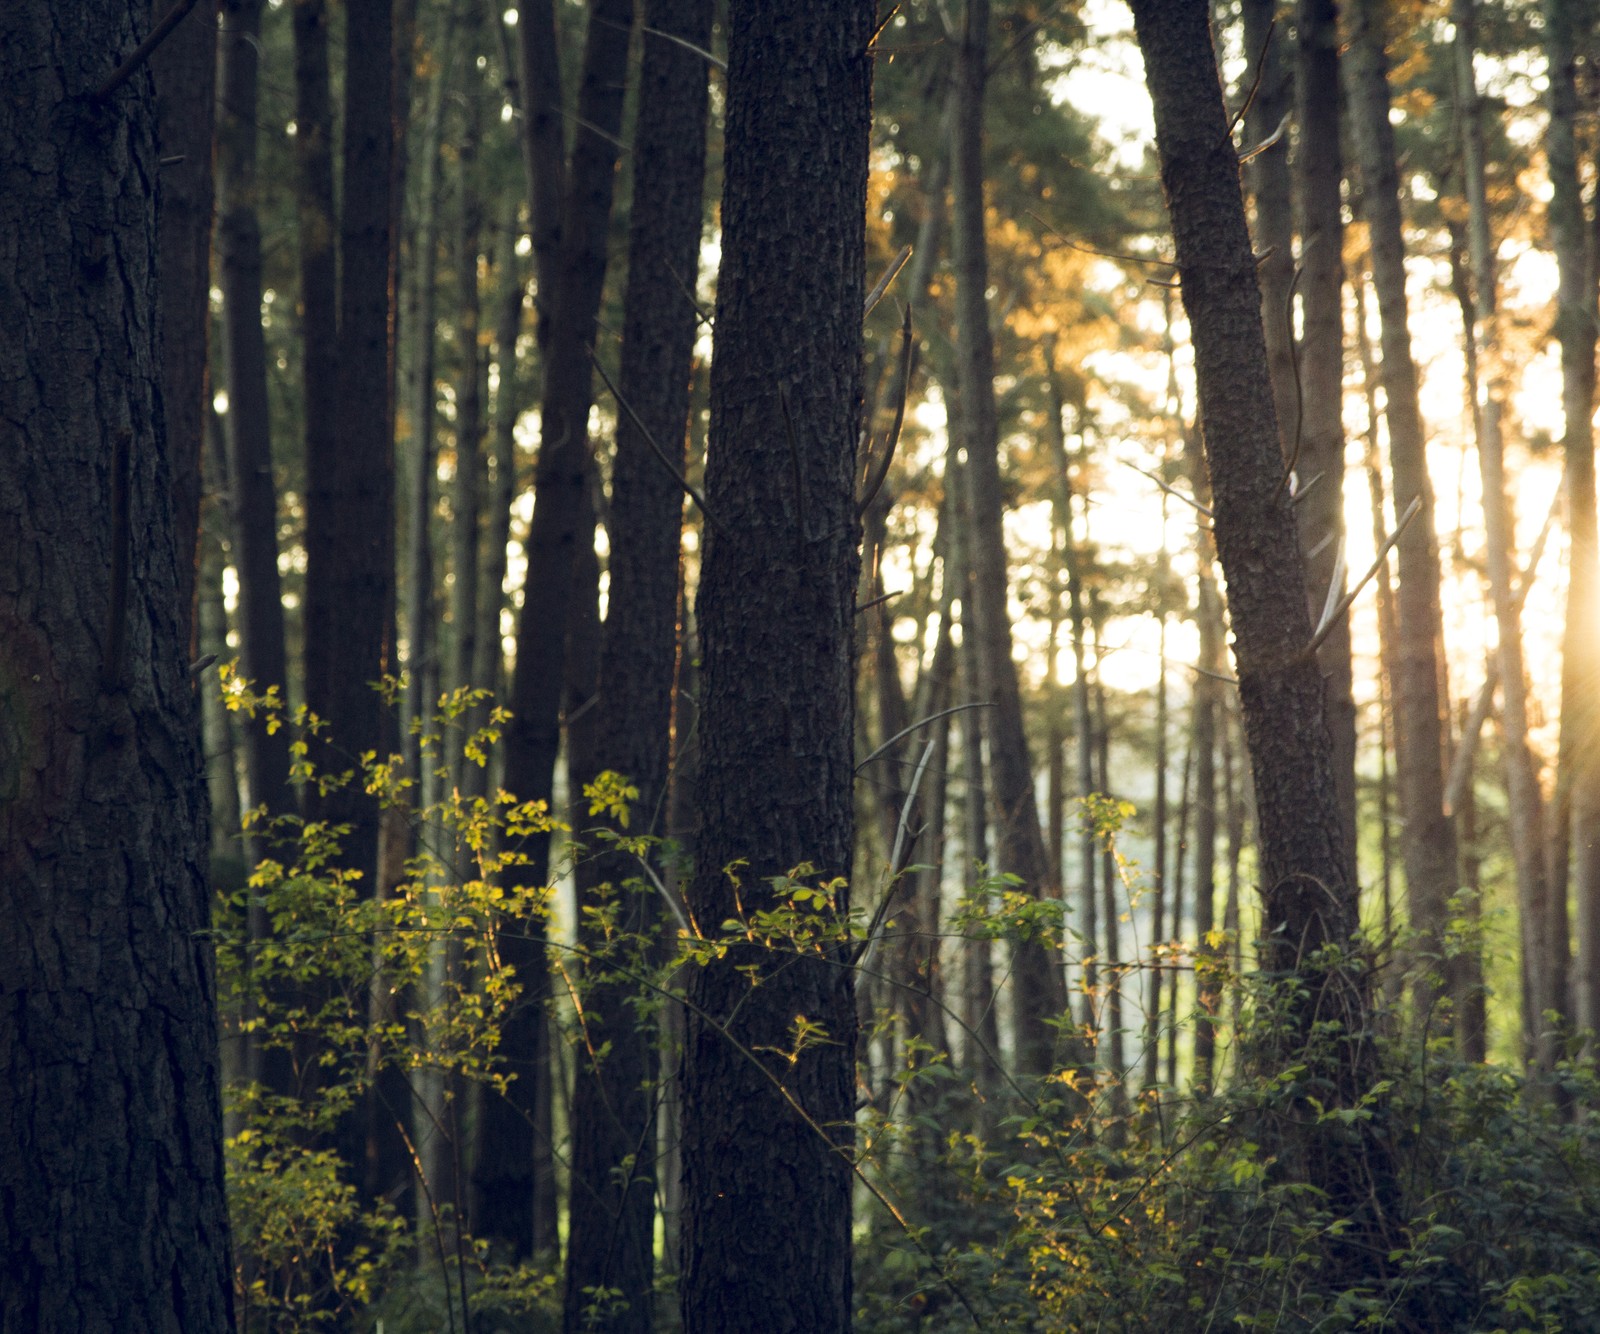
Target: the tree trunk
pixel 562 519
pixel 1039 995
pixel 421 615
pixel 112 1213
pixel 1309 894
pixel 1578 795
pixel 1271 196
pixel 767 1141
pixel 254 501
pixel 1427 837
pixel 1317 448
pixel 1543 951
pixel 611 1229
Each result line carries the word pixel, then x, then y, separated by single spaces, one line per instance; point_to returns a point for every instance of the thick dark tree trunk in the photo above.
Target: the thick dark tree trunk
pixel 1427 836
pixel 1309 894
pixel 767 1140
pixel 185 70
pixel 254 500
pixel 562 519
pixel 1039 996
pixel 112 1213
pixel 611 1227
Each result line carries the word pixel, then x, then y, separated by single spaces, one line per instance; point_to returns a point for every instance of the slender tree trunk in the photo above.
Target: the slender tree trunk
pixel 466 501
pixel 1317 448
pixel 1427 837
pixel 112 1213
pixel 1179 863
pixel 767 1181
pixel 1271 194
pixel 254 499
pixel 563 519
pixel 1040 990
pixel 611 1235
pixel 1578 793
pixel 1309 893
pixel 421 612
pixel 1544 955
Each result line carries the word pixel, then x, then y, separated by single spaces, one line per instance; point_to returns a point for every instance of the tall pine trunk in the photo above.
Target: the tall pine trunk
pixel 767 1141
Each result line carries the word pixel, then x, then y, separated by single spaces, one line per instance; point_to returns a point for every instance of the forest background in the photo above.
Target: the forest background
pixel 864 930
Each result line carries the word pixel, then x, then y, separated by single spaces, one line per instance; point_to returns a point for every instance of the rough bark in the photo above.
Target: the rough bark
pixel 766 1172
pixel 112 1214
pixel 611 1227
pixel 184 67
pixel 1309 894
pixel 1317 447
pixel 1040 989
pixel 562 520
pixel 1427 836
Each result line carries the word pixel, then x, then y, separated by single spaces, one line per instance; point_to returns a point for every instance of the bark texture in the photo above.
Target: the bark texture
pixel 184 67
pixel 111 1204
pixel 1308 893
pixel 611 1227
pixel 766 1172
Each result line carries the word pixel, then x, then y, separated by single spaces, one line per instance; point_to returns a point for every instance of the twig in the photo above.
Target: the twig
pixel 863 951
pixel 1299 389
pixel 682 481
pixel 923 722
pixel 684 288
pixel 689 46
pixel 1171 491
pixel 1104 254
pixel 1269 141
pixel 889 274
pixel 1332 614
pixel 1255 86
pixel 882 597
pixel 908 358
pixel 142 52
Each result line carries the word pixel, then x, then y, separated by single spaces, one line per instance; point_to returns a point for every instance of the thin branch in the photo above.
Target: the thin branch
pixel 1331 615
pixel 863 951
pixel 908 359
pixel 689 46
pixel 684 288
pixel 1269 141
pixel 1299 389
pixel 1171 491
pixel 143 51
pixel 1104 254
pixel 1255 86
pixel 882 597
pixel 889 274
pixel 682 481
pixel 923 722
